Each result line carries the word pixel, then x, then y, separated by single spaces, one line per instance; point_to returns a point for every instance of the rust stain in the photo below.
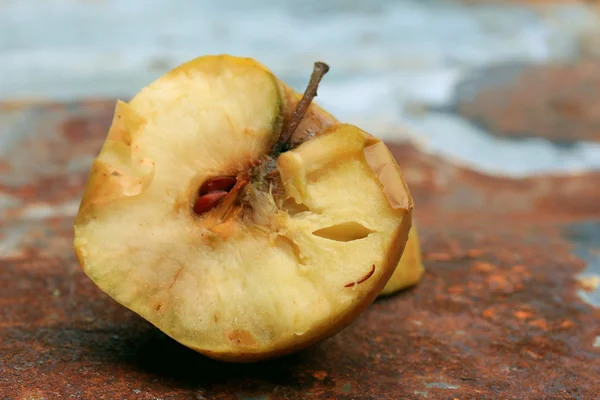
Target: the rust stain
pixel 523 314
pixel 482 266
pixel 320 375
pixel 567 324
pixel 539 323
pixel 497 314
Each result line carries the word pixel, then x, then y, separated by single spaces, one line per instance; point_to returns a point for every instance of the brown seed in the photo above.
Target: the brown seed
pixel 218 183
pixel 364 278
pixel 208 201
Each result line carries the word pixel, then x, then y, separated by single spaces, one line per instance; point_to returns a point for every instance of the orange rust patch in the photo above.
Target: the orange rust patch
pixel 567 324
pixel 539 323
pixel 474 253
pixel 521 271
pixel 532 354
pixel 500 282
pixel 320 375
pixel 456 289
pixel 438 256
pixel 483 266
pixel 523 314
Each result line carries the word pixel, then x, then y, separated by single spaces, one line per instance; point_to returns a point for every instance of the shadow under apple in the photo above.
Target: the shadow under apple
pixel 177 365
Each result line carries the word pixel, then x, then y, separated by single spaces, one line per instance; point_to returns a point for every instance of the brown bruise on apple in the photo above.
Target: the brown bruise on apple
pixel 117 172
pixel 263 272
pixel 388 173
pixel 242 338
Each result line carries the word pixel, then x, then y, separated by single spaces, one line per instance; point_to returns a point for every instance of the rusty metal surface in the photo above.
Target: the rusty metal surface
pixel 556 102
pixel 499 314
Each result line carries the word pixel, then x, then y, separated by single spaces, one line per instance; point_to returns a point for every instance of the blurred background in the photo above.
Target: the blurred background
pixel 505 87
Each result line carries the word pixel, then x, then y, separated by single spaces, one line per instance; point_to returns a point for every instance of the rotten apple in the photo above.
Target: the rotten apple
pixel 237 216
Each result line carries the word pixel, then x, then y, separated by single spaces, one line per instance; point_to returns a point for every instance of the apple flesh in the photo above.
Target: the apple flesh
pixel 190 219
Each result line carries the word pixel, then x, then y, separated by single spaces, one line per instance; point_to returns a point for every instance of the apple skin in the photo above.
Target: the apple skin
pixel 410 269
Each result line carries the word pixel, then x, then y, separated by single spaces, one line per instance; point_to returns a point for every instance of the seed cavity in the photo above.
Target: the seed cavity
pixel 293 208
pixel 217 183
pixel 212 192
pixel 344 232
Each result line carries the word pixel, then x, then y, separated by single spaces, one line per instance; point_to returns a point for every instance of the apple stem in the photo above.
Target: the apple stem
pixel 319 71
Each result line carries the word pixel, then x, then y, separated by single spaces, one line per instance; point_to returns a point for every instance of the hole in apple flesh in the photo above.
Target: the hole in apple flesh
pixel 344 232
pixel 294 208
pixel 284 241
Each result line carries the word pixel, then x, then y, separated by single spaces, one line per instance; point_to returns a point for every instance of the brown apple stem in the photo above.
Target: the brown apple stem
pixel 319 71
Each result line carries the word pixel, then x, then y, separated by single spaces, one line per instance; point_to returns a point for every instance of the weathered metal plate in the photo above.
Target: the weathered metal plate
pixel 556 102
pixel 499 314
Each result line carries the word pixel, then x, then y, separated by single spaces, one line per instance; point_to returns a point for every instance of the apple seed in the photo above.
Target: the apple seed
pixel 217 183
pixel 364 278
pixel 208 201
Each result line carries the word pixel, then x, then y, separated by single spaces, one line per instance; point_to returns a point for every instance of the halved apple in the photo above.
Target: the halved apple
pixel 235 242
